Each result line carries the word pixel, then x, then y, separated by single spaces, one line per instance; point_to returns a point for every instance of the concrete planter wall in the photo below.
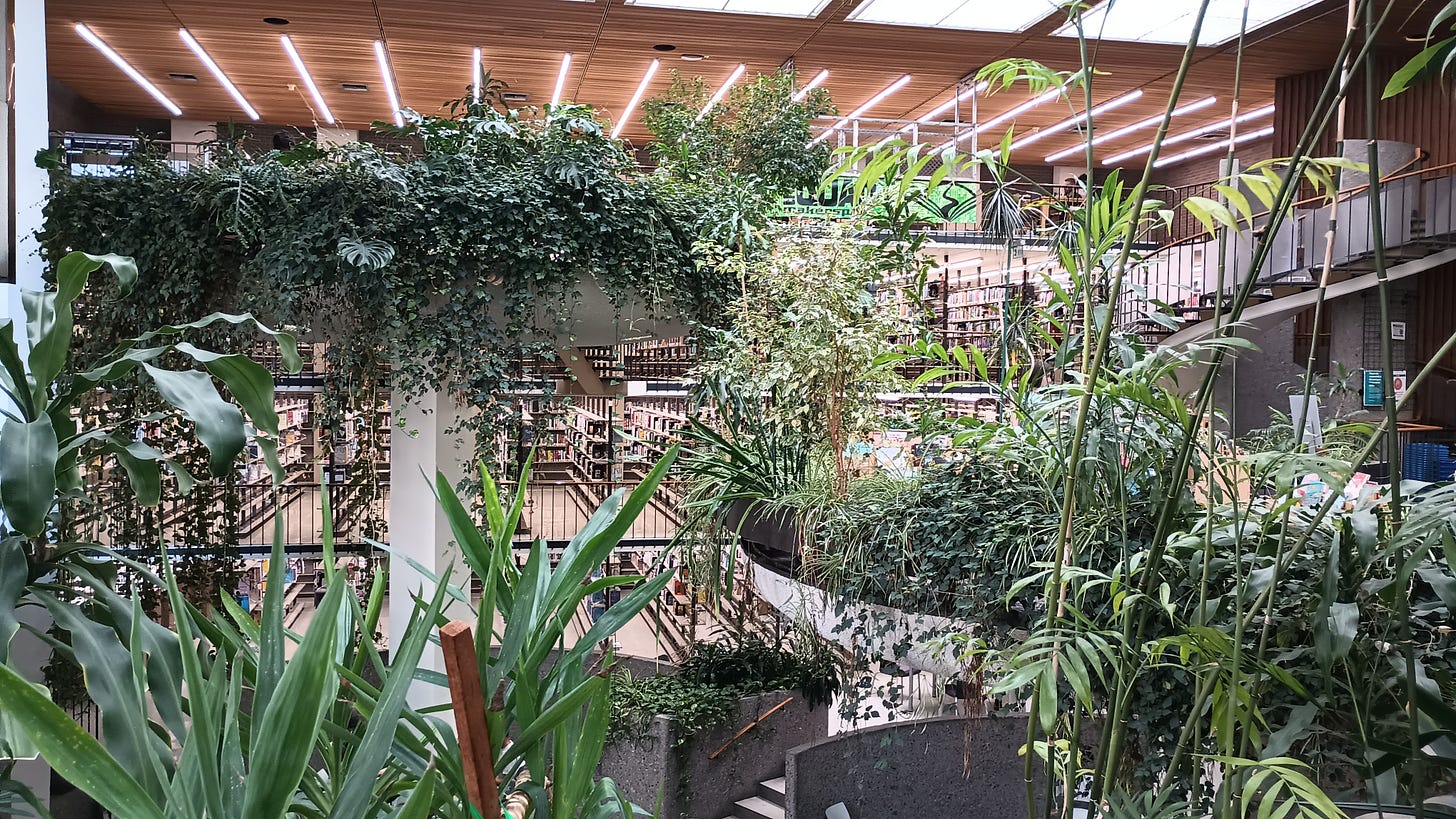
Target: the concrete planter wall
pixel 692 785
pixel 947 766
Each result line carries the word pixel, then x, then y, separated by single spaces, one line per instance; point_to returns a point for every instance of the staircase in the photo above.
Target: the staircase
pixel 768 803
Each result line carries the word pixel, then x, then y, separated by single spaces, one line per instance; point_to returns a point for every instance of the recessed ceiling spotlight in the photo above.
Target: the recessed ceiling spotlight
pixel 276 21
pixel 692 58
pixel 354 87
pixel 180 77
pixel 664 47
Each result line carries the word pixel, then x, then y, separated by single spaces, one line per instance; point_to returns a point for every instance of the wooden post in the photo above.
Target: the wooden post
pixel 468 702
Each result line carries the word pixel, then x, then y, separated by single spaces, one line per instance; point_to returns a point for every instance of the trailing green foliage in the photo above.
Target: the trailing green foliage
pixel 704 691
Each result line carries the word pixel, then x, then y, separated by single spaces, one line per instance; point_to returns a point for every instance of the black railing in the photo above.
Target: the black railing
pixel 554 511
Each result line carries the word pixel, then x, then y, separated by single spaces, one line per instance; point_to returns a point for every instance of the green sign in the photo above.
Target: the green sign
pixel 1374 388
pixel 948 202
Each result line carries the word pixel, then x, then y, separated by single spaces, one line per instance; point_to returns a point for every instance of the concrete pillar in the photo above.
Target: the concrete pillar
pixel 333 137
pixel 417 528
pixel 30 109
pixel 1392 156
pixel 193 130
pixel 27 131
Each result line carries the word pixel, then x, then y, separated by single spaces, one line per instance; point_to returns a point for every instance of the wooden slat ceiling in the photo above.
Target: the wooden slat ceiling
pixel 430 43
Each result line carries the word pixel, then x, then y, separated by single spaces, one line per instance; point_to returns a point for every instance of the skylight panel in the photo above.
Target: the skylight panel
pixel 969 15
pixel 777 8
pixel 1171 21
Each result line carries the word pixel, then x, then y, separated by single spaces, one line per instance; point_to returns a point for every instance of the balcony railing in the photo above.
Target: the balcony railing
pixel 555 511
pixel 1417 219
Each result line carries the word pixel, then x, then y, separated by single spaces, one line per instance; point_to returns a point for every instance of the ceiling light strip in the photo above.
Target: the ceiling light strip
pixel 636 98
pixel 1259 113
pixel 561 78
pixel 318 98
pixel 126 68
pixel 1078 120
pixel 814 83
pixel 476 78
pixel 1136 126
pixel 722 91
pixel 856 113
pixel 1207 149
pixel 217 72
pixel 388 76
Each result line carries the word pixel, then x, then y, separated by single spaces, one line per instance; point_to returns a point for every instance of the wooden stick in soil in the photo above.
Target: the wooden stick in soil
pixel 468 702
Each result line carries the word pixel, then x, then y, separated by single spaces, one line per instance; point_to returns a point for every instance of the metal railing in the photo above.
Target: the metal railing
pixel 555 511
pixel 1417 218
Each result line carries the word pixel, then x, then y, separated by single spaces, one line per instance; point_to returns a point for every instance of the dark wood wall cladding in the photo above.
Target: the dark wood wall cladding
pixel 1435 320
pixel 1424 116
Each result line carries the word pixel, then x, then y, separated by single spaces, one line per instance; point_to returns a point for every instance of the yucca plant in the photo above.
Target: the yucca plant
pixel 549 704
pixel 210 721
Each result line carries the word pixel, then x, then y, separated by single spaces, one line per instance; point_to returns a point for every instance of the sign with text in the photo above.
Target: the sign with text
pixel 948 202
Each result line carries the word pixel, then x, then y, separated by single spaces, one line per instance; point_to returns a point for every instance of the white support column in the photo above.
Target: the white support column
pixel 417 527
pixel 27 131
pixel 31 110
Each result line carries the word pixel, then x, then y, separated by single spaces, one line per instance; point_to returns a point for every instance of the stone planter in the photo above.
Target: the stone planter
pixel 667 764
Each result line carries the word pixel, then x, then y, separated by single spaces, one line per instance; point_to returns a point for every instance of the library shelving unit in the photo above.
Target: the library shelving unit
pixel 650 426
pixel 656 359
pixel 591 442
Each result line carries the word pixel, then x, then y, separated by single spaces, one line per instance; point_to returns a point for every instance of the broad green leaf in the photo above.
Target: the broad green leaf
pixel 28 455
pixel 73 753
pixel 219 424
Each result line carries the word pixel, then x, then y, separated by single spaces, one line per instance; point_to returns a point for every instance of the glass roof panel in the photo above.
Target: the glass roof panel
pixel 1171 21
pixel 778 8
pixel 970 15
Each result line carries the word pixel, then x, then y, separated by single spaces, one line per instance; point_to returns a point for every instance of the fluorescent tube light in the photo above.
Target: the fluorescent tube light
pixel 1079 119
pixel 318 98
pixel 1207 149
pixel 855 114
pixel 476 78
pixel 561 78
pixel 1193 134
pixel 722 91
pixel 388 76
pixel 126 68
pixel 217 72
pixel 1136 126
pixel 814 83
pixel 636 98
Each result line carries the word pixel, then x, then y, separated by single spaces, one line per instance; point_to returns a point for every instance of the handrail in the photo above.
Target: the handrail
pixel 1341 196
pixel 745 729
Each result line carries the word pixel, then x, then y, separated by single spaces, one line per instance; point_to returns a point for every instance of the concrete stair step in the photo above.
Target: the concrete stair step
pixel 756 807
pixel 773 790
